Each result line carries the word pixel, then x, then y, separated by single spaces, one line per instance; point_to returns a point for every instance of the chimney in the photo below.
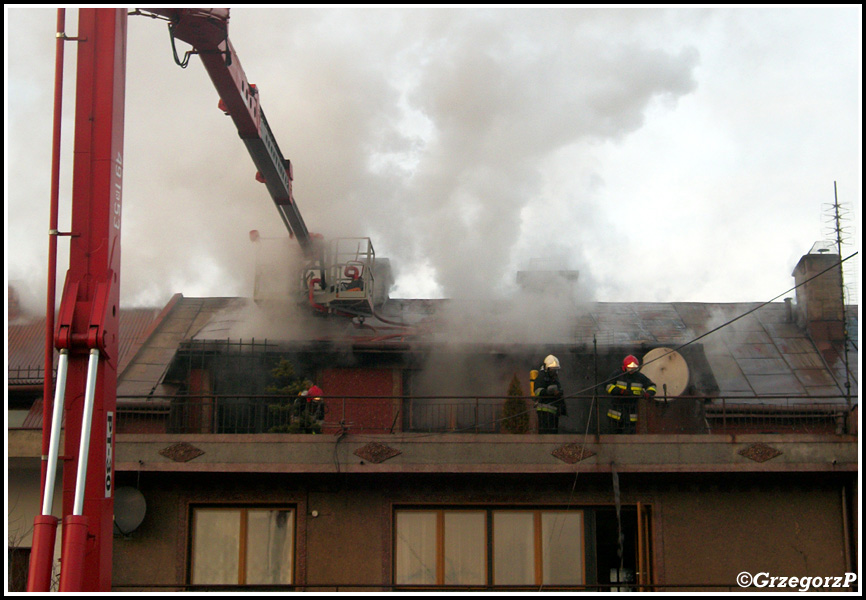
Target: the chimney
pixel 546 274
pixel 819 302
pixel 14 303
pixel 539 280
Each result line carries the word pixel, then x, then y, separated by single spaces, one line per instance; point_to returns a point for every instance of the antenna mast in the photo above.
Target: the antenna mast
pixel 837 229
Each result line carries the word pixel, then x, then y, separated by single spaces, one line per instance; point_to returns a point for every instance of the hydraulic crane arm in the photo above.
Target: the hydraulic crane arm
pixel 206 30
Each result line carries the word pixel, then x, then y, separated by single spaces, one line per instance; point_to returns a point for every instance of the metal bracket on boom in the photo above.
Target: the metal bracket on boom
pixel 94 337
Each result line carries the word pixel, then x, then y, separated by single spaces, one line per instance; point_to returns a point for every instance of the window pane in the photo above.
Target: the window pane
pixel 562 547
pixel 465 548
pixel 416 547
pixel 216 542
pixel 269 545
pixel 513 548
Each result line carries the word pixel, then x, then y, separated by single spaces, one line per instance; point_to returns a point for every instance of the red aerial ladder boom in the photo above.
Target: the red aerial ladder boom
pixel 338 277
pixel 206 30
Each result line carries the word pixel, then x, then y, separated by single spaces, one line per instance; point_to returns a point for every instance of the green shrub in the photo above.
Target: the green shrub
pixel 515 415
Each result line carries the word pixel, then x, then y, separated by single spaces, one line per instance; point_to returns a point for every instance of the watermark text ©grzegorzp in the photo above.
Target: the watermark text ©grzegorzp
pixel 765 580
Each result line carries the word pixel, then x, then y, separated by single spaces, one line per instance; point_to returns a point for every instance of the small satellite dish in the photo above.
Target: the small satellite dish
pixel 668 370
pixel 129 509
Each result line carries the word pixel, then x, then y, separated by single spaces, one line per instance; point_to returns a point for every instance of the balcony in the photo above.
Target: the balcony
pixel 271 414
pixel 395 434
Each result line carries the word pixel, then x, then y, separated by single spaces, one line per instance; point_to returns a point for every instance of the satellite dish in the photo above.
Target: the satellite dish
pixel 129 509
pixel 668 370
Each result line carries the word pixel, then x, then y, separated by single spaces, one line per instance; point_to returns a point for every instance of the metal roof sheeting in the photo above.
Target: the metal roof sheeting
pixel 749 353
pixel 26 343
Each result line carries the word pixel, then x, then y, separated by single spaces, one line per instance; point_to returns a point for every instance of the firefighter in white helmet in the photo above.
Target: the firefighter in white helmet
pixel 547 390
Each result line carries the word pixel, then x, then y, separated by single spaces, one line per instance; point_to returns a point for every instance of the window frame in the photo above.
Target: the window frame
pixel 488 528
pixel 440 543
pixel 243 512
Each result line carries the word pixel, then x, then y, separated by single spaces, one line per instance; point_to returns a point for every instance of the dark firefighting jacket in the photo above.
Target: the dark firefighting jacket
pixel 548 391
pixel 631 385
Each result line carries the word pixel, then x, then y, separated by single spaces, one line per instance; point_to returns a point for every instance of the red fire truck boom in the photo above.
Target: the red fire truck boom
pixel 338 277
pixel 206 30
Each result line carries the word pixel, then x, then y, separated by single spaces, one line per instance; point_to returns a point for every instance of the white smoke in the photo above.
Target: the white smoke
pixel 464 142
pixel 433 132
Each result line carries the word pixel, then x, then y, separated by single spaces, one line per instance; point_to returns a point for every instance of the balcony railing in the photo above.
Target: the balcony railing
pixel 26 375
pixel 475 414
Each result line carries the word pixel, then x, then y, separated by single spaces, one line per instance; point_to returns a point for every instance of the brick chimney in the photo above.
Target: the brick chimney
pixel 14 310
pixel 819 302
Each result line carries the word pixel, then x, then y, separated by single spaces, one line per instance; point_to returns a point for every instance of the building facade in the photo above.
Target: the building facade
pixel 746 462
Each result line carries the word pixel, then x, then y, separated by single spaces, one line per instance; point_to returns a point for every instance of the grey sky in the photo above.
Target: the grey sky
pixel 667 154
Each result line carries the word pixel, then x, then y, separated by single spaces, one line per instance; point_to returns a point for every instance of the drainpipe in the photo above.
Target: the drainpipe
pixel 48 384
pixel 846 530
pixel 45 524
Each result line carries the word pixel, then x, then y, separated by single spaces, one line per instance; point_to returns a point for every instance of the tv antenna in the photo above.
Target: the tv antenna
pixel 841 236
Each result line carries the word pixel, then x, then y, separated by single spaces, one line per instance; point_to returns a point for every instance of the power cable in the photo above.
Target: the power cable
pixel 570 501
pixel 583 391
pixel 616 485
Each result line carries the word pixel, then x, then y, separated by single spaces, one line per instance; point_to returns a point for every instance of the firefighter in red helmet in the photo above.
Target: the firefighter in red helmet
pixel 309 411
pixel 627 387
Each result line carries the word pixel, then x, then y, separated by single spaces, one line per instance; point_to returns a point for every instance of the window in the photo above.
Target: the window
pixel 538 547
pixel 239 546
pixel 489 547
pixel 440 547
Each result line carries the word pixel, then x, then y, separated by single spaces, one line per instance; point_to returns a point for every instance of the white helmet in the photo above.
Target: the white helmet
pixel 551 362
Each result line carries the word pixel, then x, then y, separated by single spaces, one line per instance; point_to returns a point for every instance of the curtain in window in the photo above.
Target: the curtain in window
pixel 216 540
pixel 562 548
pixel 416 547
pixel 513 548
pixel 269 546
pixel 243 546
pixel 464 548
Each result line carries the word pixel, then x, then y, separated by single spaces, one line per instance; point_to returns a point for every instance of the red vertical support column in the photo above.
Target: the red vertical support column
pixel 90 304
pixel 45 525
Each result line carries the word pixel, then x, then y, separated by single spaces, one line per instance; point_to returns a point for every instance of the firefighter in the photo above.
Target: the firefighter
pixel 627 387
pixel 315 404
pixel 547 390
pixel 309 410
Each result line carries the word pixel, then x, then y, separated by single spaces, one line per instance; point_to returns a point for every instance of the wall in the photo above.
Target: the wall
pixel 714 530
pixel 705 528
pixel 24 502
pixel 349 404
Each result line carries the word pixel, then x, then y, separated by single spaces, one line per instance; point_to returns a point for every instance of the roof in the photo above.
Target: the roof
pixel 180 320
pixel 26 343
pixel 752 349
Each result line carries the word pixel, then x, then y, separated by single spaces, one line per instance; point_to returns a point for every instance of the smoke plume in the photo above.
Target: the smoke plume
pixel 439 133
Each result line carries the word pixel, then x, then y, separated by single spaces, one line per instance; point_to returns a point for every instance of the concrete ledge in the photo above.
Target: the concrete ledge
pixel 490 453
pixel 27 443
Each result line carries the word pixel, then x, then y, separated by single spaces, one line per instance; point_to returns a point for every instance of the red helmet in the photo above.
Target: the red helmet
pixel 630 363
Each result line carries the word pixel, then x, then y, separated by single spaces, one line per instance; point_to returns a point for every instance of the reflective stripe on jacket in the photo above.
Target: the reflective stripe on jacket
pixel 617 415
pixel 546 408
pixel 631 384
